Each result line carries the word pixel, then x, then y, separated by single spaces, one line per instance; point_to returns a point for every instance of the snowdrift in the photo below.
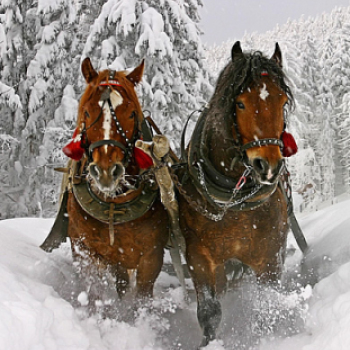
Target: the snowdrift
pixel 44 303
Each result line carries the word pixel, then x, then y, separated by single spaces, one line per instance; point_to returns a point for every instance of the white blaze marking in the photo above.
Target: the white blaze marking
pixel 263 92
pixel 116 100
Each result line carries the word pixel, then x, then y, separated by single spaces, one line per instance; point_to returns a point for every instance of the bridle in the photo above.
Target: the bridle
pixel 221 191
pixel 258 142
pixel 129 143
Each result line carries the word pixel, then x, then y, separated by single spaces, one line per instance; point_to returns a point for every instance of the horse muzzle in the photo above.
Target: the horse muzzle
pixel 265 172
pixel 107 180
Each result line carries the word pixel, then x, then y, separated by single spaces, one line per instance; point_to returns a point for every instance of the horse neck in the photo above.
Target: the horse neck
pixel 220 146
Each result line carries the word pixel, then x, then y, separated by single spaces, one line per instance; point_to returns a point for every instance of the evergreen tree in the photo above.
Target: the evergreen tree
pixel 36 62
pixel 166 35
pixel 49 71
pixel 339 83
pixel 14 55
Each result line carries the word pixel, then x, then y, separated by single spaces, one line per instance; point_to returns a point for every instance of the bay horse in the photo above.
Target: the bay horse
pixel 115 217
pixel 232 206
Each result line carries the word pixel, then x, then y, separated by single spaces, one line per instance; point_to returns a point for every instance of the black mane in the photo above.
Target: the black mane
pixel 237 76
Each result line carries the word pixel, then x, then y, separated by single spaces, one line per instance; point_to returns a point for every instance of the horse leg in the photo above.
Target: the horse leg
pixel 221 280
pixel 122 280
pixel 92 269
pixel 208 307
pixel 148 270
pixel 270 271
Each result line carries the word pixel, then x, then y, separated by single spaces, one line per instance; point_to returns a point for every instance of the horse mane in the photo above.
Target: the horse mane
pixel 128 87
pixel 239 75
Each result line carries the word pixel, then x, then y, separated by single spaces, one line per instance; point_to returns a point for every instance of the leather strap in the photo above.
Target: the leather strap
pixel 106 142
pixel 118 213
pixel 262 142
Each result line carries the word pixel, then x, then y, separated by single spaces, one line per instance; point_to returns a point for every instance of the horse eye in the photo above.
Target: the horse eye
pixel 132 116
pixel 240 105
pixel 87 114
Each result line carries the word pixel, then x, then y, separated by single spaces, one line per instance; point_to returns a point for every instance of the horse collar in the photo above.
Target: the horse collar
pixel 120 213
pixel 219 190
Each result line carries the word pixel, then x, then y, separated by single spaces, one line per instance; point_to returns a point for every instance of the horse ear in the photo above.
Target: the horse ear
pixel 277 56
pixel 88 70
pixel 236 51
pixel 136 75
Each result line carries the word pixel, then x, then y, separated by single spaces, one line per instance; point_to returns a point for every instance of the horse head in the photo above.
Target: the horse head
pixel 261 97
pixel 109 122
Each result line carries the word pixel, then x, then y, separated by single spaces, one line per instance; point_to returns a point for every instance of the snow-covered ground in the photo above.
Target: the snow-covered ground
pixel 44 303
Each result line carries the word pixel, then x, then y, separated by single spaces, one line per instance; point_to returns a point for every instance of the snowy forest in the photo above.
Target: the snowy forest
pixel 42 44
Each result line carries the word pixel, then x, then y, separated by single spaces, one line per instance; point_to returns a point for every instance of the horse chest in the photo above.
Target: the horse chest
pixel 240 234
pixel 133 239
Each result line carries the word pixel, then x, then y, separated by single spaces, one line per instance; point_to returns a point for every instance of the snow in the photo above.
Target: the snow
pixel 8 93
pixel 45 301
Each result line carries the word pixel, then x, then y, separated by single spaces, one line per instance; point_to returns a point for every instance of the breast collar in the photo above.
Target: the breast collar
pixel 130 209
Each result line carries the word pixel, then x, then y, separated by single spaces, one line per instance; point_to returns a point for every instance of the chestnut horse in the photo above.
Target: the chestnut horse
pixel 116 219
pixel 231 204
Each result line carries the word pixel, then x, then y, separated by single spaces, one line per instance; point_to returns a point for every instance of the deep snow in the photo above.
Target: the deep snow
pixel 45 305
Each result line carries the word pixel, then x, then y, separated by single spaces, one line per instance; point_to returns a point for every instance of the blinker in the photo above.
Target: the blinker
pixel 74 149
pixel 289 145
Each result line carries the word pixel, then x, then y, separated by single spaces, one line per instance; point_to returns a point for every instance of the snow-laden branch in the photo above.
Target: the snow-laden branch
pixel 9 97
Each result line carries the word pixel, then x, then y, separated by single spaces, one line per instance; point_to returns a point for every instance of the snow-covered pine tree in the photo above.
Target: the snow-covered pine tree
pixel 49 72
pixel 36 61
pixel 340 88
pixel 164 33
pixel 325 100
pixel 298 121
pixel 14 55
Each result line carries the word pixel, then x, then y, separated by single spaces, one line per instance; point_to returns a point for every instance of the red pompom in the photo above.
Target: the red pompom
pixel 290 146
pixel 143 160
pixel 74 148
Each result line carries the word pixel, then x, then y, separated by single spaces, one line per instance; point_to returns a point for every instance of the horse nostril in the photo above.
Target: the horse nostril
pixel 260 165
pixel 117 171
pixel 94 171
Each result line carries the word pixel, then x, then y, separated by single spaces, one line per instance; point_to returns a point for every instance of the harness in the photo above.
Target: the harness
pixel 134 204
pixel 118 213
pixel 224 192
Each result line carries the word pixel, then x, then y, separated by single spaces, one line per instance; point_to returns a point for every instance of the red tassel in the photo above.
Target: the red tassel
pixel 74 149
pixel 290 146
pixel 143 160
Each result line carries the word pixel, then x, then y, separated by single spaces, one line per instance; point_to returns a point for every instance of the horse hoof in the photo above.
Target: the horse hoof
pixel 204 343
